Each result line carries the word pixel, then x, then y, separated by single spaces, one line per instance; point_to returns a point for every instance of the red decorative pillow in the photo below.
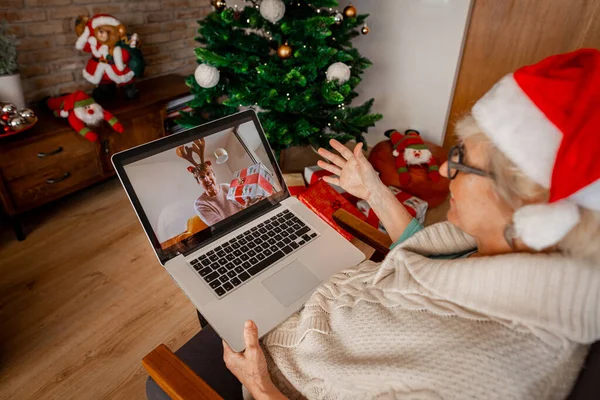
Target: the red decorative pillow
pixel 420 185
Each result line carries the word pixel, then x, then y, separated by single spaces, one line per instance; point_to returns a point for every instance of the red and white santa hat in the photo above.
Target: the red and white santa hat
pixel 545 118
pixel 73 101
pixel 94 22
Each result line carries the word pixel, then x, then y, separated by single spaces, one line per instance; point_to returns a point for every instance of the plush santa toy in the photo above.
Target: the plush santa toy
pixel 81 110
pixel 409 150
pixel 99 36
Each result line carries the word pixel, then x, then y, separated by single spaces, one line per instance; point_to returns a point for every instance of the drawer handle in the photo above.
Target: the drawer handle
pixel 51 153
pixel 56 180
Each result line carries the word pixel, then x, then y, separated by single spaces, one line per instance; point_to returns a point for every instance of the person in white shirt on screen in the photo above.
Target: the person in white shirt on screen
pixel 211 206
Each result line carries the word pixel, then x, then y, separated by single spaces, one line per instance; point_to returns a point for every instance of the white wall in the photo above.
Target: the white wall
pixel 415 47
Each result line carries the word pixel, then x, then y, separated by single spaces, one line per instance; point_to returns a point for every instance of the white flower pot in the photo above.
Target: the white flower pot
pixel 11 90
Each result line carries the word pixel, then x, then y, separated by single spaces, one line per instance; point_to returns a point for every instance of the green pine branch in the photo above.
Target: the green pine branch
pixel 296 102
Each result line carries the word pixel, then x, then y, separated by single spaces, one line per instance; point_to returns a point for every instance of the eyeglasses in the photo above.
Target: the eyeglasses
pixel 456 155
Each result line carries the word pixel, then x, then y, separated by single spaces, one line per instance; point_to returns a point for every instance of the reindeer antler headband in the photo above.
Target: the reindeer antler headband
pixel 187 153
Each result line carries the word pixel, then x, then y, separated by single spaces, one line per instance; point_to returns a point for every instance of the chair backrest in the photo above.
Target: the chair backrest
pixel 587 386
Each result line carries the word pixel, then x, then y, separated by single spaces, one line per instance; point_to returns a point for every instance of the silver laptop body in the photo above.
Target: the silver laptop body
pixel 161 187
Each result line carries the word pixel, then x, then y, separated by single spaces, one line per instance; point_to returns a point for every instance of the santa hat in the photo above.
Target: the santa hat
pixel 410 140
pixel 546 119
pixel 94 22
pixel 73 101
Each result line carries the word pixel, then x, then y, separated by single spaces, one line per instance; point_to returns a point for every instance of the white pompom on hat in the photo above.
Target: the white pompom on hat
pixel 545 118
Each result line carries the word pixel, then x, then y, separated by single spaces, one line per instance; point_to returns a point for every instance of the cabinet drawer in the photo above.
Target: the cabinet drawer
pixel 28 157
pixel 52 182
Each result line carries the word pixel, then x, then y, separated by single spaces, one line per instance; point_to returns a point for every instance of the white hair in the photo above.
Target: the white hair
pixel 517 189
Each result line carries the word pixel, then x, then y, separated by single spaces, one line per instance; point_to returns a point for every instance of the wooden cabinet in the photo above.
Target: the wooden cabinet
pixel 50 160
pixel 138 130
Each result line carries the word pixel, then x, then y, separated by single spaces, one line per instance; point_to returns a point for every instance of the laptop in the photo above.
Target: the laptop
pixel 221 221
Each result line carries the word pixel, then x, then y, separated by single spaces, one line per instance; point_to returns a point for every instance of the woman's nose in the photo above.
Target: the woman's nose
pixel 444 169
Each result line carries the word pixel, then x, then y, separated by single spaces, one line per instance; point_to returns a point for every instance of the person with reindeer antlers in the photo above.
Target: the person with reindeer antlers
pixel 212 206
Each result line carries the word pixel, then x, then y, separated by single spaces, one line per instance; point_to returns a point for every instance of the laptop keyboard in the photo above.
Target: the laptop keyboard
pixel 229 265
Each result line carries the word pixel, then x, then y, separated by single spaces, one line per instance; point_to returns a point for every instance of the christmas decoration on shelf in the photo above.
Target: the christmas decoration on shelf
pixel 410 150
pixel 219 5
pixel 364 30
pixel 81 110
pixel 350 11
pixel 272 10
pixel 339 72
pixel 284 51
pixel 8 109
pixel 17 123
pixel 13 120
pixel 292 61
pixel 206 76
pixel 27 114
pixel 116 58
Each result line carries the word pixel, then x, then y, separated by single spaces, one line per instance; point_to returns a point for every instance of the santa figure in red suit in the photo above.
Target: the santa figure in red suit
pixel 408 150
pixel 99 36
pixel 82 111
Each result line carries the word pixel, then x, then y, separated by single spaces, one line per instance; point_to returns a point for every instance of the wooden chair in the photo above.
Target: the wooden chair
pixel 179 382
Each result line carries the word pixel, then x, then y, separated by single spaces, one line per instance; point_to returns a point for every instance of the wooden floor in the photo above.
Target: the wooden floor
pixel 82 300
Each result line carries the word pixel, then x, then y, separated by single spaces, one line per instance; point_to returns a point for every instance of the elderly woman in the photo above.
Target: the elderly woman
pixel 501 301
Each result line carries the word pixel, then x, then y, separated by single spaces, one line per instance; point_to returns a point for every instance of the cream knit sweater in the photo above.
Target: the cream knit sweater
pixel 506 327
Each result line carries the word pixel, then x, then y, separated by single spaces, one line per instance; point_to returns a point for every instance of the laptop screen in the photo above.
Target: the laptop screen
pixel 188 191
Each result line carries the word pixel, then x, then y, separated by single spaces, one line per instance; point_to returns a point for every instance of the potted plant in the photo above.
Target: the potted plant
pixel 11 90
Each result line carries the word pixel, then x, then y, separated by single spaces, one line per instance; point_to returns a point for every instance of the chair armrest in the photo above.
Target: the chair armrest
pixel 363 231
pixel 175 377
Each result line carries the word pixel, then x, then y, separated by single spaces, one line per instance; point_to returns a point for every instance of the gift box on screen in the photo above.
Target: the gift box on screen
pixel 324 201
pixel 295 183
pixel 415 207
pixel 250 183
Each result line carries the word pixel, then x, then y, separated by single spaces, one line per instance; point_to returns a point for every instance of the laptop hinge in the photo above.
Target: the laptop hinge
pixel 227 232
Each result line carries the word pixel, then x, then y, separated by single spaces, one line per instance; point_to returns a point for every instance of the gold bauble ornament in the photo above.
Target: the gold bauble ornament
pixel 284 51
pixel 364 30
pixel 219 5
pixel 350 11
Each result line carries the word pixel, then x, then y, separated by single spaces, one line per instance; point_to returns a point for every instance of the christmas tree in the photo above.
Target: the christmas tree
pixel 292 61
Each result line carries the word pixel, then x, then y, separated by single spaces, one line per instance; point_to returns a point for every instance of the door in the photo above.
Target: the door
pixel 504 35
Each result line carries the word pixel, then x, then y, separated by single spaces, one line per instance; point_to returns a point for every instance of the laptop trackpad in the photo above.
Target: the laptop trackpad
pixel 291 283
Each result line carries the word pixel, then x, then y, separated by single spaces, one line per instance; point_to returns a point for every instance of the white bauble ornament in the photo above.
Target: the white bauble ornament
pixel 207 76
pixel 338 71
pixel 272 10
pixel 339 17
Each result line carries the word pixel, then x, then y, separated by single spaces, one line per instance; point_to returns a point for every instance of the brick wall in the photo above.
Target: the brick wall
pixel 49 62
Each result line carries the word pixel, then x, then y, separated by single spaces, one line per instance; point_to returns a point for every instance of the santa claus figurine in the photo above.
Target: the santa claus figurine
pixel 81 110
pixel 410 150
pixel 106 39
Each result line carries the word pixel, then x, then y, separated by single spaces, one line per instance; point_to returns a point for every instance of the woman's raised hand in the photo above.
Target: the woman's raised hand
pixel 352 171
